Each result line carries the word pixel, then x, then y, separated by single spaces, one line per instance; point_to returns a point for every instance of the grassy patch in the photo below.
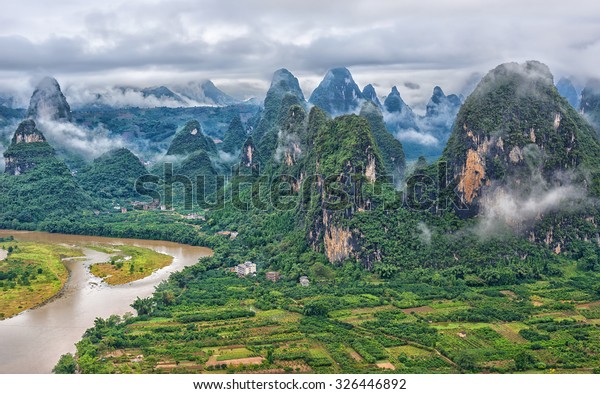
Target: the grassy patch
pixel 131 263
pixel 31 274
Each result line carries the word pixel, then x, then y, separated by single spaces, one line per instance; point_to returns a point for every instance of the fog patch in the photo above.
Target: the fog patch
pixel 425 233
pixel 288 146
pixel 411 135
pixel 124 97
pixel 88 143
pixel 518 207
pixel 225 157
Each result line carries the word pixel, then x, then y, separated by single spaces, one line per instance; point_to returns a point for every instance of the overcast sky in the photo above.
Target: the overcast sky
pixel 238 44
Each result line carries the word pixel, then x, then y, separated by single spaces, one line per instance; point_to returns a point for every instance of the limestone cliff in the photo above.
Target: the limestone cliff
pixel 512 128
pixel 346 160
pixel 27 148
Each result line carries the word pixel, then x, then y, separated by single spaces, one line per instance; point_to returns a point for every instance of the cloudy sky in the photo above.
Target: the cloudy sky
pixel 238 44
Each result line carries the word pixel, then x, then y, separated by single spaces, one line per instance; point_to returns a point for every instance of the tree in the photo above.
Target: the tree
pixel 466 361
pixel 524 361
pixel 143 306
pixel 315 308
pixel 66 365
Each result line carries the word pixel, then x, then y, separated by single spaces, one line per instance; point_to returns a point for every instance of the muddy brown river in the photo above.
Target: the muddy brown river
pixel 33 341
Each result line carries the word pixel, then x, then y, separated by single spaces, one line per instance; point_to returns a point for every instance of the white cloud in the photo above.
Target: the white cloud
pixel 418 137
pixel 87 143
pixel 512 207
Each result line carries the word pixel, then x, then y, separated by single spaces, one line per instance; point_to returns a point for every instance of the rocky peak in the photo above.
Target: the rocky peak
pixel 400 115
pixel 284 93
pixel 393 102
pixel 27 148
pixel 337 93
pixel 284 82
pixel 27 132
pixel 48 102
pixel 441 105
pixel 370 94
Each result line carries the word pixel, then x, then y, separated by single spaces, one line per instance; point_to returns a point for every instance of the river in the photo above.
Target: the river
pixel 33 341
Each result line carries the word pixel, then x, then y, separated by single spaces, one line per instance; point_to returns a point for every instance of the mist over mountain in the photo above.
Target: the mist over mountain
pixel 192 94
pixel 205 92
pixel 566 89
pixel 590 103
pixel 544 156
pixel 48 102
pixel 370 94
pixel 283 93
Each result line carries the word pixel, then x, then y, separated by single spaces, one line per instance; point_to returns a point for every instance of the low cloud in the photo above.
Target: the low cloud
pixel 287 142
pixel 118 97
pixel 412 85
pixel 414 136
pixel 504 207
pixel 425 233
pixel 225 157
pixel 88 143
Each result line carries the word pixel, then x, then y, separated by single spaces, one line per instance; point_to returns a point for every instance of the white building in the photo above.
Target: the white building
pixel 246 269
pixel 304 281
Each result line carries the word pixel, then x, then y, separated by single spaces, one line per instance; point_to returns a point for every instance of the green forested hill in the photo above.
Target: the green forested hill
pixel 190 139
pixel 112 175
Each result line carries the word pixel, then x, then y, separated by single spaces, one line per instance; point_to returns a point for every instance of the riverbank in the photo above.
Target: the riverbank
pixel 33 274
pixel 33 341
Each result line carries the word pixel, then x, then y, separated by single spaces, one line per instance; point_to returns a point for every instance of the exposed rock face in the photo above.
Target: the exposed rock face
pixel 339 242
pixel 346 148
pixel 473 174
pixel 249 157
pixel 27 133
pixel 337 93
pixel 514 128
pixel 28 146
pixel 48 102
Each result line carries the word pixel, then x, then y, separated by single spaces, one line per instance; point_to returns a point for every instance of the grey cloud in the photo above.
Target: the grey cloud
pixel 248 40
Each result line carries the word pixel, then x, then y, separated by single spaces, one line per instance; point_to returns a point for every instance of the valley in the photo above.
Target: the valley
pixel 337 246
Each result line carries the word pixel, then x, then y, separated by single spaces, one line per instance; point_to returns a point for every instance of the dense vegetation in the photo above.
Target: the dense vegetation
pixel 420 321
pixel 112 176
